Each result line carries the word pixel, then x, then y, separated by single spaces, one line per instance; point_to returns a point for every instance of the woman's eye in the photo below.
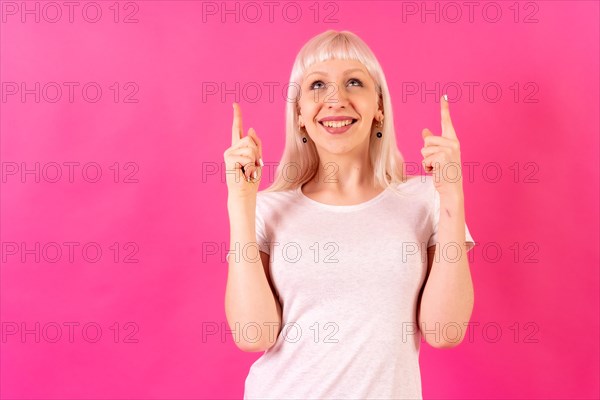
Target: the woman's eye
pixel 312 85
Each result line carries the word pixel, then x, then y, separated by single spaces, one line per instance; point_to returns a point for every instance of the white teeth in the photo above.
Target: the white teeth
pixel 337 124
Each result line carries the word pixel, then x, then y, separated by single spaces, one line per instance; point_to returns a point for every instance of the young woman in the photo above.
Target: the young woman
pixel 356 260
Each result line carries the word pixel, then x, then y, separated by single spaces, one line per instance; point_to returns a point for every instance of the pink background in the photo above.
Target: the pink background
pixel 175 215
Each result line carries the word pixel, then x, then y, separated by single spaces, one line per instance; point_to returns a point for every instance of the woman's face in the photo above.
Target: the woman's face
pixel 339 88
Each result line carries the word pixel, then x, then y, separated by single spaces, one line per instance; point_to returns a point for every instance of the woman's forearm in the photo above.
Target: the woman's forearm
pixel 448 297
pixel 248 296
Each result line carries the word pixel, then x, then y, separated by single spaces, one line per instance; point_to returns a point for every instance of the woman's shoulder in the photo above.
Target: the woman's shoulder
pixel 276 193
pixel 278 197
pixel 270 203
pixel 415 184
pixel 414 191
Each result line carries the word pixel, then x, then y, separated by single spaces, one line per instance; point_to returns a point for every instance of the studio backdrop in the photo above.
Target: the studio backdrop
pixel 114 227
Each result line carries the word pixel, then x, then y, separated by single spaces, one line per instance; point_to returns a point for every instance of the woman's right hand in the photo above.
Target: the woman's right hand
pixel 243 160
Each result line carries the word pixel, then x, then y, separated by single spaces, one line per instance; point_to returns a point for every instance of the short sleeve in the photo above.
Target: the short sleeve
pixel 470 243
pixel 261 234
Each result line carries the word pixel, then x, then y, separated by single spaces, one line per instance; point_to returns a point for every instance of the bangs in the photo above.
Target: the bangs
pixel 334 46
pixel 339 48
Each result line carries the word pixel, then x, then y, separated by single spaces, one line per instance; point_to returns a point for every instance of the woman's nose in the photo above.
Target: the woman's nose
pixel 336 96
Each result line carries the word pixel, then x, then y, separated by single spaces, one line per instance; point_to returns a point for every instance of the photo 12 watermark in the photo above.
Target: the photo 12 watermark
pixel 69 92
pixel 69 332
pixel 68 252
pixel 254 12
pixel 73 12
pixel 30 172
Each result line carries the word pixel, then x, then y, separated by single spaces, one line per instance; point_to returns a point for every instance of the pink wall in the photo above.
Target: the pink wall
pixel 162 122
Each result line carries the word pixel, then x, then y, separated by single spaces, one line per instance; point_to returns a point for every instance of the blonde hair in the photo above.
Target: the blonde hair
pixel 302 158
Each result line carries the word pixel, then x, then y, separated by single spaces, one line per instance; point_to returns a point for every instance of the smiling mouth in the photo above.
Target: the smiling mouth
pixel 325 126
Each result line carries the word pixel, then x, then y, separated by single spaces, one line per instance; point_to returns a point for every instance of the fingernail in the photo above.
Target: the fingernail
pixel 260 161
pixel 446 97
pixel 255 174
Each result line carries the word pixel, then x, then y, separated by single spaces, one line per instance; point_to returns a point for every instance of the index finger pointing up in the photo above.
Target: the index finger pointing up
pixel 447 128
pixel 236 129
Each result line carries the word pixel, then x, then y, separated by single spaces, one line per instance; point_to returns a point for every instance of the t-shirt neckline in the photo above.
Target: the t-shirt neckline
pixel 332 207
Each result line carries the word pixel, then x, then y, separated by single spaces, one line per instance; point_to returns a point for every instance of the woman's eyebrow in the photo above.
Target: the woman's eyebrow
pixel 345 73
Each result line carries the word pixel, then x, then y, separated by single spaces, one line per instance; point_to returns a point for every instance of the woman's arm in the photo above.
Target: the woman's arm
pixel 448 297
pixel 249 300
pixel 248 296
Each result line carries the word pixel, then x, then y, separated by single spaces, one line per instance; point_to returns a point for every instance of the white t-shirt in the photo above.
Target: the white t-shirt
pixel 348 280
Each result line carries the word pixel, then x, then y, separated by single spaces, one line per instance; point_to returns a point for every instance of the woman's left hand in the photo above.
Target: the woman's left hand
pixel 441 156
